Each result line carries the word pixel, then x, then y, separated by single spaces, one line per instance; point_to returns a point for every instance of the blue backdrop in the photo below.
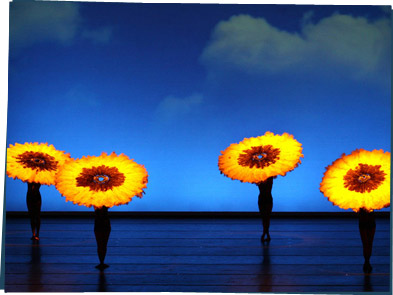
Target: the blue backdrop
pixel 172 85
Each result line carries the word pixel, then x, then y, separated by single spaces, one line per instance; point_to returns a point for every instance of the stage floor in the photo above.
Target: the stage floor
pixel 196 255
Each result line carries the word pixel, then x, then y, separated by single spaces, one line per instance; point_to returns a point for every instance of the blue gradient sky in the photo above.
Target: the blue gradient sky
pixel 172 85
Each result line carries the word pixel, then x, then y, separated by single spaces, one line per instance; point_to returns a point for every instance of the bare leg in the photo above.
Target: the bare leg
pixel 35 223
pixel 266 224
pixel 102 241
pixel 265 210
pixel 367 231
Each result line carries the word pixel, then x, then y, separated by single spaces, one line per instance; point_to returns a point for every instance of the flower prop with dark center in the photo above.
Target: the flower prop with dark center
pixel 360 181
pixel 102 182
pixel 36 164
pixel 256 159
pixel 107 180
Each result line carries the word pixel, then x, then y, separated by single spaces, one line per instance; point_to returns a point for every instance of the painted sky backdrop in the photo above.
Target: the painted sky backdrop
pixel 172 85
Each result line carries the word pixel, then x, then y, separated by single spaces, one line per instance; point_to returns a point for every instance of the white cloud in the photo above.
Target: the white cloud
pixel 32 22
pixel 356 45
pixel 172 107
pixel 252 44
pixel 40 21
pixel 352 42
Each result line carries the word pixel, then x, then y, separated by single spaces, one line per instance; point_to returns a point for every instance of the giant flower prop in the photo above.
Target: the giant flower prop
pixel 34 162
pixel 256 159
pixel 107 180
pixel 359 180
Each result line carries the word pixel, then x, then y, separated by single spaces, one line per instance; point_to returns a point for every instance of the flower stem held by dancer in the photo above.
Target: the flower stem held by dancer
pixel 360 181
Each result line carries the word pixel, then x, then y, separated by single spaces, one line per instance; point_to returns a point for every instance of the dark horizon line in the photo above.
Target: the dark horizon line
pixel 194 214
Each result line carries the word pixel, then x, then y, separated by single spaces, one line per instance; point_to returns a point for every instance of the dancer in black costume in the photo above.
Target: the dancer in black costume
pixel 367 231
pixel 33 201
pixel 265 204
pixel 102 230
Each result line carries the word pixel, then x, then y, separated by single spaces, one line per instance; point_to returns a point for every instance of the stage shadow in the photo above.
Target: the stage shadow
pixel 265 276
pixel 35 271
pixel 102 285
pixel 367 286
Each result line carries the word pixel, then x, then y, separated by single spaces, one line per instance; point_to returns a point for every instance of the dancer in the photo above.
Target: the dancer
pixel 102 182
pixel 257 160
pixel 102 230
pixel 33 200
pixel 265 204
pixel 36 164
pixel 367 231
pixel 360 181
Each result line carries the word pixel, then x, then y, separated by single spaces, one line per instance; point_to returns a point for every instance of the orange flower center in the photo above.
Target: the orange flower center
pixel 364 178
pixel 37 161
pixel 259 156
pixel 100 178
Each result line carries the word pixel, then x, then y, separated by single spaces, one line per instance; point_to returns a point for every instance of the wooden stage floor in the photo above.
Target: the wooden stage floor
pixel 196 255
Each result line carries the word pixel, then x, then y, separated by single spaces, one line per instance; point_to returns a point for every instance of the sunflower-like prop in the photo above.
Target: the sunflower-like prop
pixel 256 159
pixel 101 182
pixel 107 180
pixel 360 181
pixel 36 164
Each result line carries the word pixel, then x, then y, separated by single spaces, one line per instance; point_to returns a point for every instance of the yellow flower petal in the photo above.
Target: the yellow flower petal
pixel 359 180
pixel 257 158
pixel 107 180
pixel 34 162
